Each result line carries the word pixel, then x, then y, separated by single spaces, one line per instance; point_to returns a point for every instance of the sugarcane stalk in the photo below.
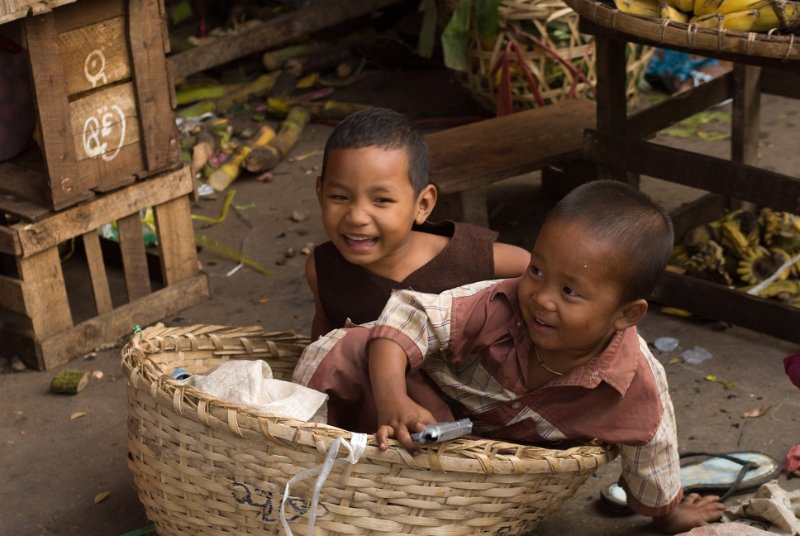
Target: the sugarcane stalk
pixel 257 88
pixel 268 156
pixel 197 109
pixel 274 59
pixel 69 381
pixel 200 93
pixel 322 60
pixel 228 172
pixel 328 109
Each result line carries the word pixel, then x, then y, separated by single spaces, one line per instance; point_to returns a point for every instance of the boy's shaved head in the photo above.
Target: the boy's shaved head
pixel 381 127
pixel 625 217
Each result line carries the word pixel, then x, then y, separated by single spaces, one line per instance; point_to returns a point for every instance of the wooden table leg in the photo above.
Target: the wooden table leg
pixel 745 119
pixel 612 104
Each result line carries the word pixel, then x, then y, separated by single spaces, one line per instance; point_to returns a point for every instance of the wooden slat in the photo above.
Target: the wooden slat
pixel 160 135
pixel 17 9
pixel 9 242
pixel 272 33
pixel 11 297
pixel 87 12
pixel 678 107
pixel 97 273
pixel 711 300
pixel 782 83
pixel 479 153
pixel 94 56
pixel 44 292
pixel 26 184
pixel 74 221
pixel 176 240
pixel 111 109
pixel 702 210
pixel 53 110
pixel 62 347
pixel 134 260
pixel 709 173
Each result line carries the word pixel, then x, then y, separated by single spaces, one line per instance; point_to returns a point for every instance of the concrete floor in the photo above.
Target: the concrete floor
pixel 54 467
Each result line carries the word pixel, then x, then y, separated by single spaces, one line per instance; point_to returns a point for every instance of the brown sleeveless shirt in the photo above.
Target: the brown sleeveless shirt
pixel 349 291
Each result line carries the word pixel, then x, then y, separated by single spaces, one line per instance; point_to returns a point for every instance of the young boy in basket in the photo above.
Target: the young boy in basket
pixel 375 199
pixel 550 357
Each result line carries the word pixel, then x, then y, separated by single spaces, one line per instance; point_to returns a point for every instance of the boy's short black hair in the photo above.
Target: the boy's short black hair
pixel 387 129
pixel 629 219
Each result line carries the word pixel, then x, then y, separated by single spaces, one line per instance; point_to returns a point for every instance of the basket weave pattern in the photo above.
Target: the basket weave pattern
pixel 203 466
pixel 527 67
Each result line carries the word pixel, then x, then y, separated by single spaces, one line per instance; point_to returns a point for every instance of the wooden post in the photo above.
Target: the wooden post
pixel 612 104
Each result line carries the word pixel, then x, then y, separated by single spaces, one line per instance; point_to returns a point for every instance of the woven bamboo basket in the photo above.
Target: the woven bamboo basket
pixel 531 65
pixel 203 466
pixel 781 46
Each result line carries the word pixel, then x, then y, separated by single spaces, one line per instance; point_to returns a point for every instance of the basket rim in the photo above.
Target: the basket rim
pixel 484 456
pixel 688 35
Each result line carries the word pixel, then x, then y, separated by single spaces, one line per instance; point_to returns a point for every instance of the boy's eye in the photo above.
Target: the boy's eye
pixel 383 200
pixel 337 197
pixel 535 271
pixel 570 292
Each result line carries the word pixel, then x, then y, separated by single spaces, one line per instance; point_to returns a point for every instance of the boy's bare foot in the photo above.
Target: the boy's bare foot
pixel 693 511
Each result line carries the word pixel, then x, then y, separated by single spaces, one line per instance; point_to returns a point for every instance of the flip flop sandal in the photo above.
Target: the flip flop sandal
pixel 724 473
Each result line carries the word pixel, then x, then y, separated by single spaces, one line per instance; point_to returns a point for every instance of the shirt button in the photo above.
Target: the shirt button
pixel 516 405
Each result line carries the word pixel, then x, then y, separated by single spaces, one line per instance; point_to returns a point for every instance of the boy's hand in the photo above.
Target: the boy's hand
pixel 400 419
pixel 693 511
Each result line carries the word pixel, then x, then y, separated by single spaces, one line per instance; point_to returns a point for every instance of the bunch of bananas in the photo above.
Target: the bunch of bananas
pixel 742 249
pixel 735 15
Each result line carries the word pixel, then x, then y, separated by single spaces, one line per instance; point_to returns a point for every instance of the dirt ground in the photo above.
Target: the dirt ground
pixel 53 467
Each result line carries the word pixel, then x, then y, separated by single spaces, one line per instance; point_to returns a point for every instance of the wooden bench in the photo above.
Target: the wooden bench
pixel 468 158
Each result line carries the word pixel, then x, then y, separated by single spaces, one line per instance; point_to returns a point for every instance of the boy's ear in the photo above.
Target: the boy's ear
pixel 631 314
pixel 319 187
pixel 426 200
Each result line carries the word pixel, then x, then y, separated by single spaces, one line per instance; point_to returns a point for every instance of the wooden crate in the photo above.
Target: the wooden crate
pixel 104 100
pixel 36 303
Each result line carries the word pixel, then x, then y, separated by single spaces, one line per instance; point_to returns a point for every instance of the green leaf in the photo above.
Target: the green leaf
pixel 486 19
pixel 455 38
pixel 427 33
pixel 713 136
pixel 679 133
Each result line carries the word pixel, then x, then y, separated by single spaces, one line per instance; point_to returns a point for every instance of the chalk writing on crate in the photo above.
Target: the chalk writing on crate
pixel 269 503
pixel 110 119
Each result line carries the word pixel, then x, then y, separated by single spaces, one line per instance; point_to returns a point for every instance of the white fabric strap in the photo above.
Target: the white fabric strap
pixel 355 449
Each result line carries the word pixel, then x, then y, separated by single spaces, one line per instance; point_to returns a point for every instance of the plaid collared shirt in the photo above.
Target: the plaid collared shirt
pixel 474 345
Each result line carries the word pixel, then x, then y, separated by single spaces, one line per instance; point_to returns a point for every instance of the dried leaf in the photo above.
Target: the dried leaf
pixel 100 497
pixel 755 412
pixel 77 415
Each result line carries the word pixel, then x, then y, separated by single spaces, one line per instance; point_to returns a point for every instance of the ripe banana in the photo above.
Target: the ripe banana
pixel 682 5
pixel 709 20
pixel 705 7
pixel 740 21
pixel 732 6
pixel 647 8
pixel 667 11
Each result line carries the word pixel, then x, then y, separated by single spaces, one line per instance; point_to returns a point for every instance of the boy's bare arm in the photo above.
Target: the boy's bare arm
pixel 398 415
pixel 320 324
pixel 509 261
pixel 693 511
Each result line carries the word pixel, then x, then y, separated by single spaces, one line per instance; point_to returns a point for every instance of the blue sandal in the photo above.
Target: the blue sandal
pixel 722 473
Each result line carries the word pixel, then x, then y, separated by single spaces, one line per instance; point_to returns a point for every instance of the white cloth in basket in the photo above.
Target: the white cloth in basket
pixel 250 383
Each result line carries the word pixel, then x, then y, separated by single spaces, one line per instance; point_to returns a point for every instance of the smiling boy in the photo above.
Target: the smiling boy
pixel 375 197
pixel 552 357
